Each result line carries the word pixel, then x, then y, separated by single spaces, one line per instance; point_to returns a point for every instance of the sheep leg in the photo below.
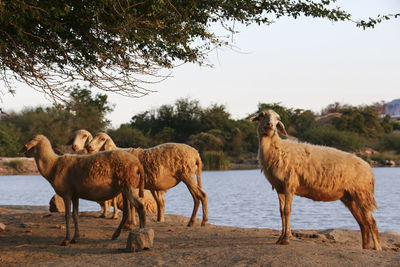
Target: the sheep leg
pixel 75 216
pixel 67 204
pixel 125 214
pixel 132 196
pixel 286 232
pixel 197 195
pixel 131 222
pixel 159 198
pixel 372 227
pixel 114 203
pixel 106 209
pixel 281 198
pixel 352 206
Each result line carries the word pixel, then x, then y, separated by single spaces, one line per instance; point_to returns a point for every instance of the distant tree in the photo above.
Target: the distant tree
pixel 88 112
pixel 82 110
pixel 362 120
pixel 119 46
pixel 126 137
pixel 10 140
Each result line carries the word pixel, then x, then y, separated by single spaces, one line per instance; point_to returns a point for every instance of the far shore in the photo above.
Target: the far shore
pixel 27 166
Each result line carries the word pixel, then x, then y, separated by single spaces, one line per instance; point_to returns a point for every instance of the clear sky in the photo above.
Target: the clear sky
pixel 303 63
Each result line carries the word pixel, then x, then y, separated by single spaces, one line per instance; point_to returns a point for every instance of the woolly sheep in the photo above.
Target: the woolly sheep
pixel 78 142
pixel 93 177
pixel 165 166
pixel 316 172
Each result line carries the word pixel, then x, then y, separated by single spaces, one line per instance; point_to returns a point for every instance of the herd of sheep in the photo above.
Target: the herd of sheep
pixel 100 171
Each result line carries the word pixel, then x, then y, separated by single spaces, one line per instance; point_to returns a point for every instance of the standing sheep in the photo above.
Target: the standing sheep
pixel 165 166
pixel 316 172
pixel 78 142
pixel 93 177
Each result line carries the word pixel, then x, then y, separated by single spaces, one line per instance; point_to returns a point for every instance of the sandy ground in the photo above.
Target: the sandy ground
pixel 33 235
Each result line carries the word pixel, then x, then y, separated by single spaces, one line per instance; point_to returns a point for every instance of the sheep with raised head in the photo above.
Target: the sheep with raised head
pixel 78 142
pixel 93 177
pixel 165 166
pixel 316 172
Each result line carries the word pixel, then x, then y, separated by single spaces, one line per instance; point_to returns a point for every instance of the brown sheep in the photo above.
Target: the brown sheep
pixel 316 172
pixel 78 142
pixel 165 166
pixel 95 177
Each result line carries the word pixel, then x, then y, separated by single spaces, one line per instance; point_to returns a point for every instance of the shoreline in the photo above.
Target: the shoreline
pixel 28 166
pixel 32 237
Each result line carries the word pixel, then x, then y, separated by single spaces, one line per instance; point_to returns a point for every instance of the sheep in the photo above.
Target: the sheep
pixel 80 139
pixel 316 172
pixel 93 177
pixel 165 166
pixel 78 142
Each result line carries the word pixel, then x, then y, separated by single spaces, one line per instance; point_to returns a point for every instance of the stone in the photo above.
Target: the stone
pixel 57 204
pixel 2 227
pixel 140 239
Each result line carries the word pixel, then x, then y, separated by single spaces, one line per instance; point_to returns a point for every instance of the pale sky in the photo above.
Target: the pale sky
pixel 303 63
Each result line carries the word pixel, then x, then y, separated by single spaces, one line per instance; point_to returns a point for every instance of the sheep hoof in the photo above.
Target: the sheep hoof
pixel 115 217
pixel 128 226
pixel 74 240
pixel 65 242
pixel 102 216
pixel 190 224
pixel 203 223
pixel 115 236
pixel 283 241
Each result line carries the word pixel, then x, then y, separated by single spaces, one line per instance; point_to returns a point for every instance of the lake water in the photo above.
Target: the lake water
pixel 238 198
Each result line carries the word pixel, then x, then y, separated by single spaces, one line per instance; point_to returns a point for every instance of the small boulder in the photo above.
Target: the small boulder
pixel 57 204
pixel 2 227
pixel 139 240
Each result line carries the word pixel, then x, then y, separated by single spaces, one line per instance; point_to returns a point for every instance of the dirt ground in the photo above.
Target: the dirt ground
pixel 33 235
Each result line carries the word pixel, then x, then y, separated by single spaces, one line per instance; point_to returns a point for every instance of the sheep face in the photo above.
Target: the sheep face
pixel 79 140
pixel 29 149
pixel 269 122
pixel 100 142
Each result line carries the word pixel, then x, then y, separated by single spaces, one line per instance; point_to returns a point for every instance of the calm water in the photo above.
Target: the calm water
pixel 238 198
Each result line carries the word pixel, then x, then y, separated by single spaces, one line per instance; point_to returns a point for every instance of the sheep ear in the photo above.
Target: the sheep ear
pixel 281 128
pixel 107 145
pixel 255 118
pixel 88 139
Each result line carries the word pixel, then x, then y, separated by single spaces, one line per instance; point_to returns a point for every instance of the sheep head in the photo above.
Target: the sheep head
pixel 29 149
pixel 269 122
pixel 101 142
pixel 80 139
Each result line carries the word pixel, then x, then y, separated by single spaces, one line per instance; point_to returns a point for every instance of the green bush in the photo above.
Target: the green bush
pixel 330 136
pixel 15 164
pixel 390 142
pixel 215 160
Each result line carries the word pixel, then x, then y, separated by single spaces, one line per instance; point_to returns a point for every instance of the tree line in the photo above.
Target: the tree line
pixel 220 139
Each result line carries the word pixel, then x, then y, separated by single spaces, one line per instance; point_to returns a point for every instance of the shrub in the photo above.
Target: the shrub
pixel 215 160
pixel 15 164
pixel 390 142
pixel 330 136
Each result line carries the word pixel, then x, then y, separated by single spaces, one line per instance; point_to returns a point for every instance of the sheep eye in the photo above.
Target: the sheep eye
pixel 84 135
pixel 103 139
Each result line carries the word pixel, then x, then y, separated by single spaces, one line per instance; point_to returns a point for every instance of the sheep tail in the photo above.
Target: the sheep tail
pixel 199 165
pixel 141 181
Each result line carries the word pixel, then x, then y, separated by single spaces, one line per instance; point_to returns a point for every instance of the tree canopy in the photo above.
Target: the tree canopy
pixel 121 46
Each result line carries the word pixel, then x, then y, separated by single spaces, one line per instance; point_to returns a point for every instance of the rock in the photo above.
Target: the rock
pixel 139 240
pixel 340 235
pixel 2 227
pixel 56 204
